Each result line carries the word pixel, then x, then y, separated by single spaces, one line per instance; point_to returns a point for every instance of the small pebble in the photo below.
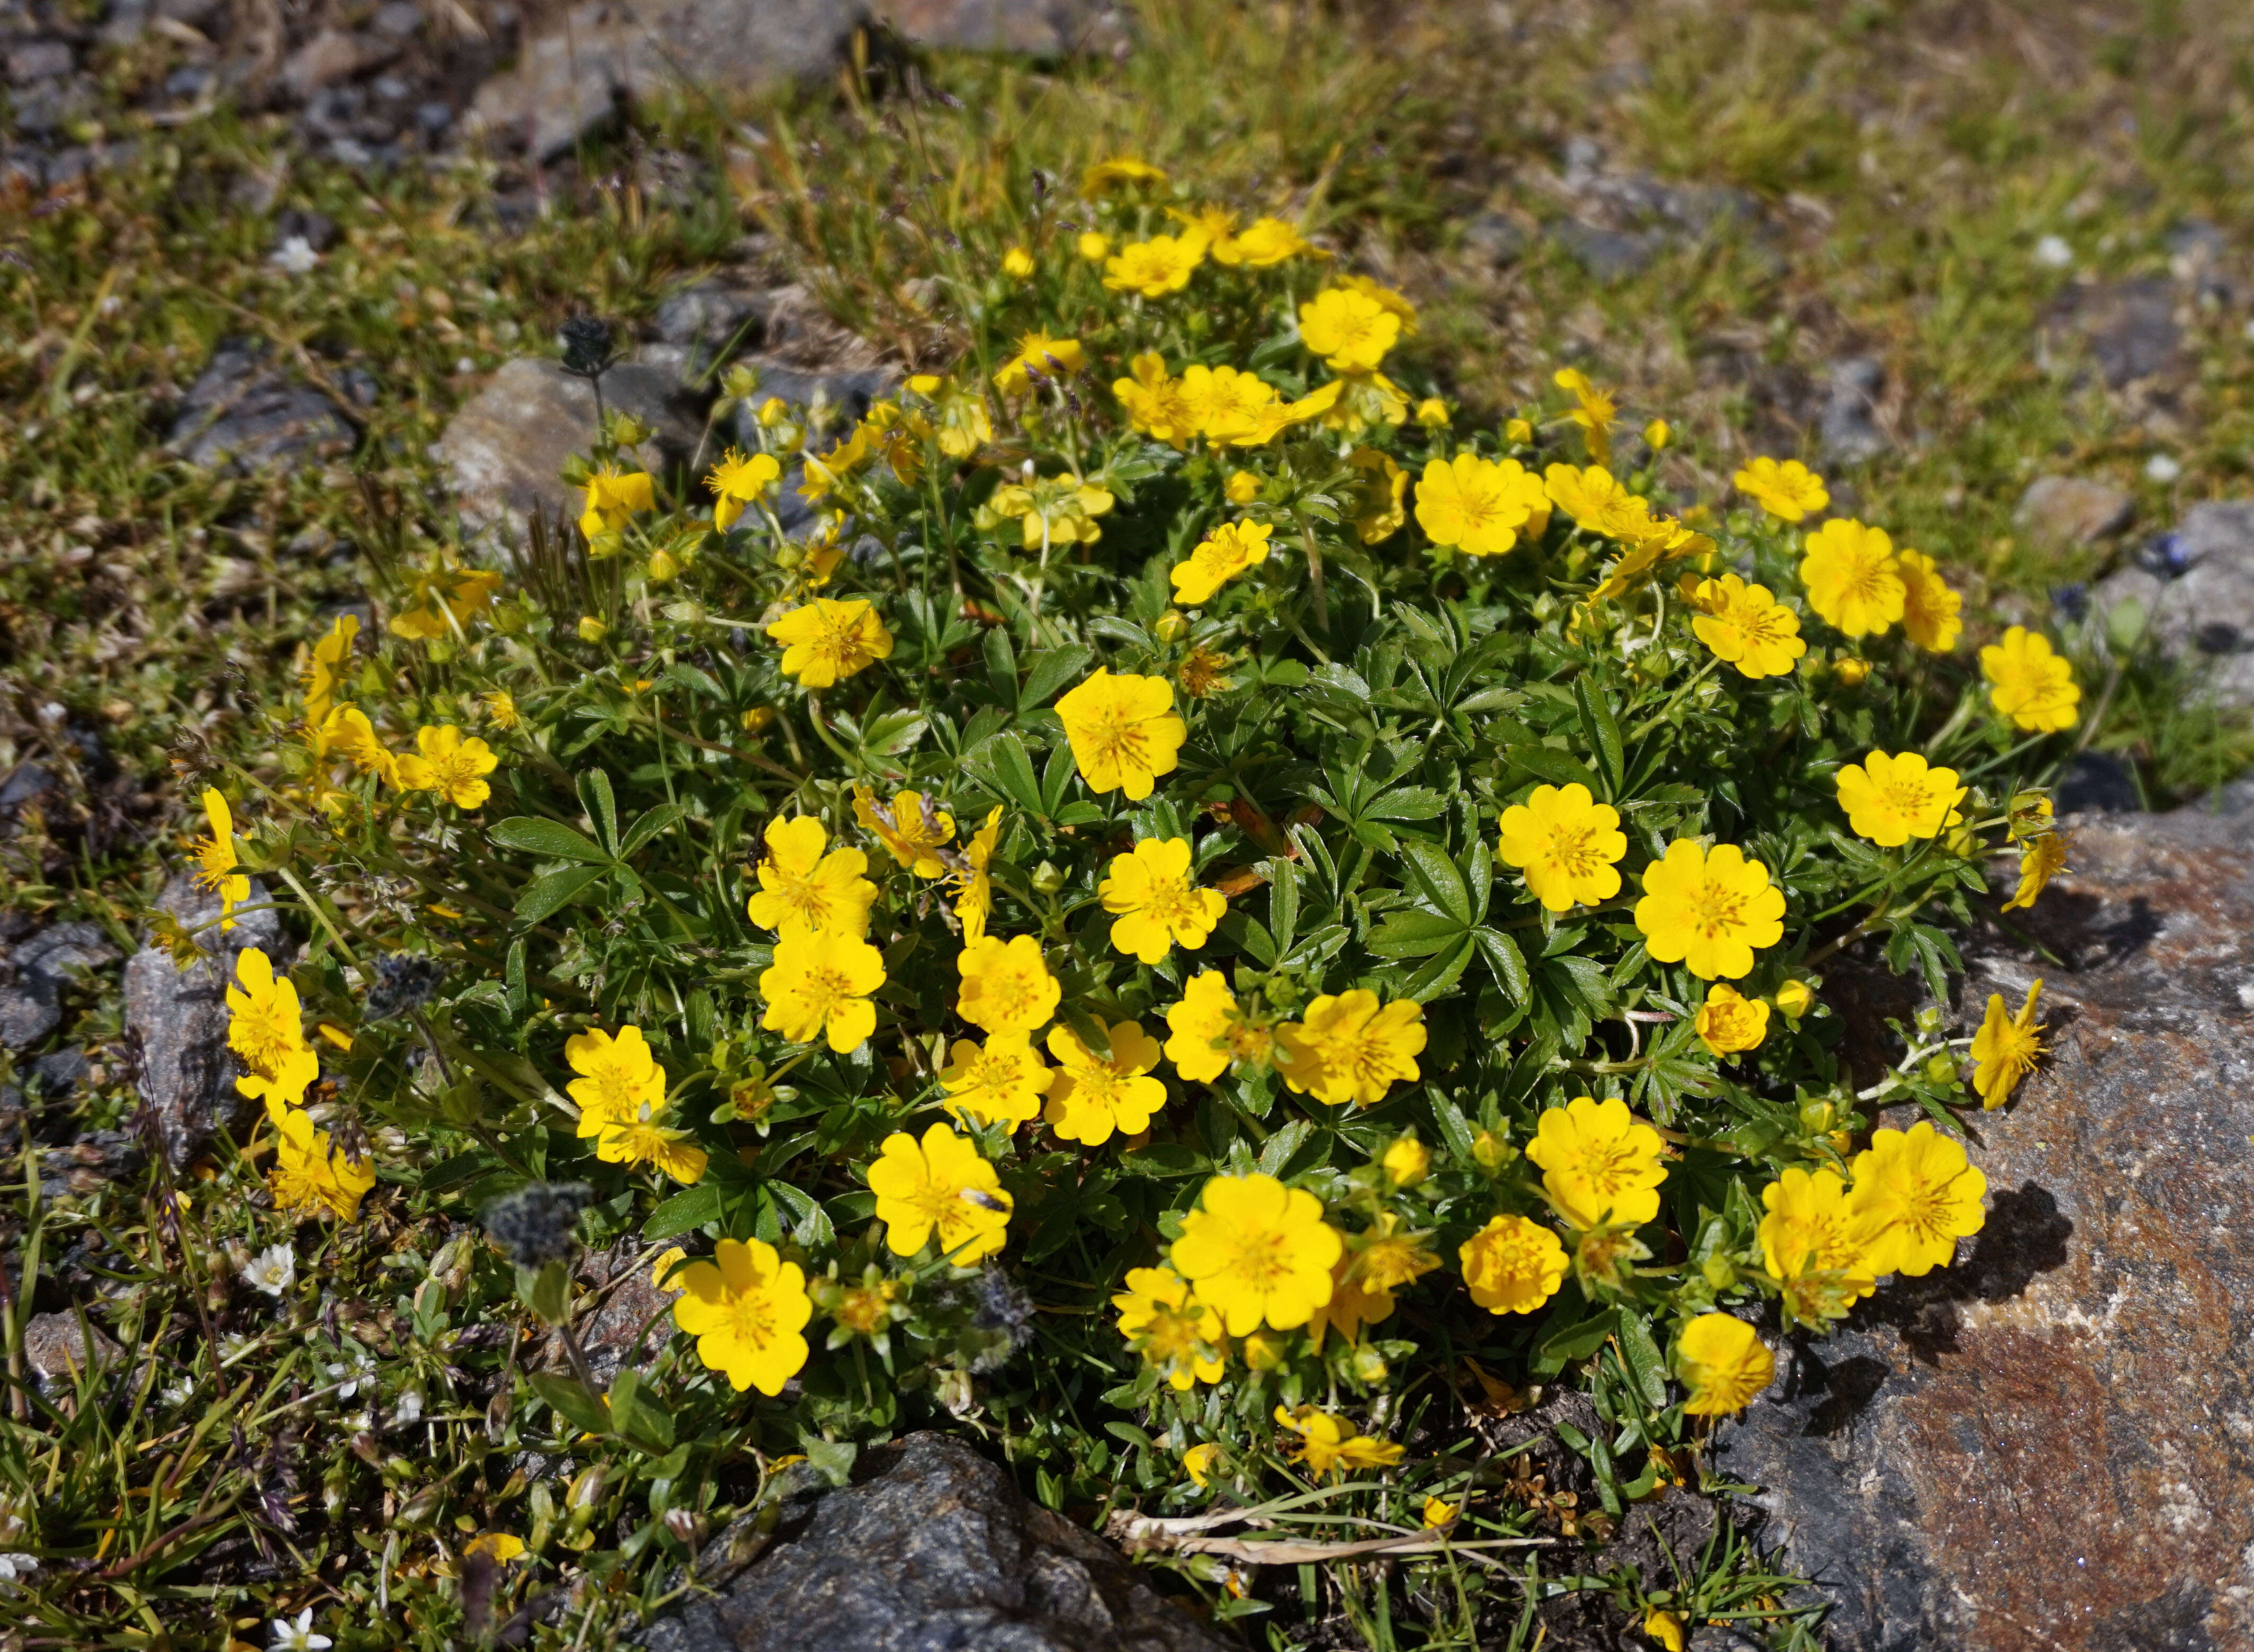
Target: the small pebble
pixel 2053 253
pixel 2162 467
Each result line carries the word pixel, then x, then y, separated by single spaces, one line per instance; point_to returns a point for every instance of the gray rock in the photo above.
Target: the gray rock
pixel 714 320
pixel 1609 254
pixel 2072 511
pixel 36 971
pixel 2207 614
pixel 61 1073
pixel 1495 239
pixel 397 19
pixel 58 1347
pixel 504 449
pixel 628 1307
pixel 2041 1445
pixel 1850 427
pixel 333 55
pixel 2098 783
pixel 827 403
pixel 934 1548
pixel 2128 329
pixel 245 413
pixel 2236 798
pixel 38 60
pixel 1038 28
pixel 179 1016
pixel 24 786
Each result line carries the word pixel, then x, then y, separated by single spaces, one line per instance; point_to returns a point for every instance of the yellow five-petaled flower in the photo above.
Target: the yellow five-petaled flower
pixel 1124 732
pixel 1567 843
pixel 826 641
pixel 1153 895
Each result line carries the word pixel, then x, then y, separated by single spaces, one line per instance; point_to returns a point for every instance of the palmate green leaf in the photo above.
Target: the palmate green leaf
pixel 1438 880
pixel 684 1213
pixel 1049 671
pixel 1549 763
pixel 602 806
pixel 1412 932
pixel 1603 734
pixel 569 1398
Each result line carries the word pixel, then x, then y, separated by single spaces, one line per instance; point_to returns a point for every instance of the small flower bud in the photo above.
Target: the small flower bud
pixel 1795 999
pixel 1171 624
pixel 592 629
pixel 1407 1162
pixel 1047 878
pixel 1242 488
pixel 1719 1272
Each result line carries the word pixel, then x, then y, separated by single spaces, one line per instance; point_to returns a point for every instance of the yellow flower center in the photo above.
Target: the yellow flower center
pixel 824 989
pixel 1716 909
pixel 749 1319
pixel 1573 849
pixel 863 1309
pixel 1609 1167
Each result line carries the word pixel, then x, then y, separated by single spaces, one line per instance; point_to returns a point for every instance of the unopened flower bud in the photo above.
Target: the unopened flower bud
pixel 1795 999
pixel 1171 624
pixel 1407 1162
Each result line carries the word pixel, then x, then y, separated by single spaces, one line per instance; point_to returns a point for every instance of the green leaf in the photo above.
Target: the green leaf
pixel 683 1213
pixel 1275 1152
pixel 1441 882
pixel 1508 964
pixel 1002 665
pixel 602 807
pixel 1013 773
pixel 1092 1031
pixel 550 839
pixel 1411 933
pixel 1283 901
pixel 1409 802
pixel 809 1222
pixel 893 732
pixel 1052 669
pixel 569 1398
pixel 1643 1361
pixel 1575 1341
pixel 637 1416
pixel 1056 775
pixel 1548 763
pixel 1442 973
pixel 1249 936
pixel 1603 734
pixel 653 822
pixel 551 892
pixel 520 995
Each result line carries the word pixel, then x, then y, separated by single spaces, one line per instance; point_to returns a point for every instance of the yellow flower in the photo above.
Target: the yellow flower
pixel 1328 1442
pixel 1201 672
pixel 1197 1462
pixel 1242 488
pixel 1596 499
pixel 1003 1082
pixel 2006 1048
pixel 1256 1252
pixel 1729 1024
pixel 644 1139
pixel 1379 488
pixel 2033 686
pixel 1040 354
pixel 1155 403
pixel 1105 176
pixel 216 857
pixel 613 498
pixel 326 669
pixel 1006 987
pixel 803 891
pixel 1060 509
pixel 746 1308
pixel 975 903
pixel 1789 492
pixel 1656 435
pixel 1153 895
pixel 1437 1512
pixel 1156 267
pixel 1567 843
pixel 820 987
pixel 443 598
pixel 1348 1048
pixel 1795 998
pixel 1917 1195
pixel 1262 244
pixel 739 481
pixel 1391 301
pixel 1226 405
pixel 1124 732
pixel 1093 246
pixel 1406 1161
pixel 1219 556
pixel 265 1028
pixel 940 1185
pixel 1852 577
pixel 1349 330
pixel 310 1177
pixel 1519 432
pixel 1090 1099
pixel 592 629
pixel 1851 672
pixel 1890 800
pixel 826 641
pixel 1812 1228
pixel 662 1268
pixel 619 1082
pixel 1723 1363
pixel 1600 1163
pixel 502 1546
pixel 911 829
pixel 1376 1264
pixel 1480 506
pixel 1664 1627
pixel 500 705
pixel 964 423
pixel 1018 263
pixel 1592 410
pixel 1208 1031
pixel 2041 859
pixel 1432 413
pixel 1709 910
pixel 454 768
pixel 1930 609
pixel 1177 1336
pixel 1512 1266
pixel 1746 626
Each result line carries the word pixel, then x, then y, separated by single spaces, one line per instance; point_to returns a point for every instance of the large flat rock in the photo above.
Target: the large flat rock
pixel 2049 1447
pixel 2196 593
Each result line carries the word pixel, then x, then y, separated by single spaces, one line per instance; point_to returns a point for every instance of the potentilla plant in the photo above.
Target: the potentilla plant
pixel 1195 905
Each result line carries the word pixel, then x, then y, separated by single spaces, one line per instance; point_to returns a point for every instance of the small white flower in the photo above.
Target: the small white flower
pixel 295 254
pixel 410 1409
pixel 273 1270
pixel 351 1377
pixel 2053 253
pixel 15 1569
pixel 2162 467
pixel 299 1636
pixel 175 1395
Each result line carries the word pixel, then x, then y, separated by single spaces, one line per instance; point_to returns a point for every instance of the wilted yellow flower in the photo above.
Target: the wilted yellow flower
pixel 1438 1512
pixel 1348 1047
pixel 739 481
pixel 746 1308
pixel 2041 859
pixel 1057 510
pixel 1219 556
pixel 965 425
pixel 1152 894
pixel 646 1139
pixel 592 629
pixel 1090 1098
pixel 2006 1048
pixel 1124 732
pixel 1155 403
pixel 1598 501
pixel 1001 1082
pixel 613 497
pixel 1852 577
pixel 1567 843
pixel 826 641
pixel 1746 626
pixel 500 706
pixel 1480 507
pixel 1380 486
pixel 940 1185
pixel 326 667
pixel 911 829
pixel 502 1546
pixel 442 598
pixel 1006 987
pixel 1916 1195
pixel 1890 800
pixel 1242 488
pixel 310 1177
pixel 2031 685
pixel 1328 1443
pixel 1723 1363
pixel 1512 1266
pixel 1262 244
pixel 1789 492
pixel 1600 1163
pixel 1176 1335
pixel 216 859
pixel 804 891
pixel 1018 263
pixel 1156 267
pixel 976 880
pixel 1930 609
pixel 1209 1032
pixel 1256 1252
pixel 1197 1462
pixel 819 986
pixel 1729 1024
pixel 1711 911
pixel 1592 410
pixel 1351 330
pixel 1040 354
